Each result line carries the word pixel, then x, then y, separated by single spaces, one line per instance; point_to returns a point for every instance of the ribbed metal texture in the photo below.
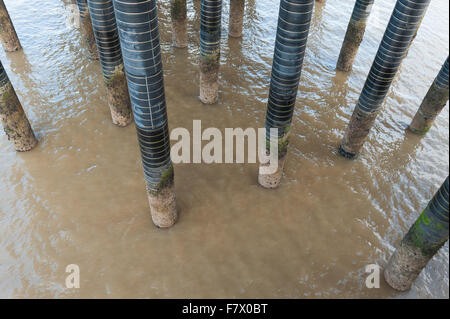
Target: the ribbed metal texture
pixel 362 9
pixel 442 78
pixel 430 231
pixel 402 26
pixel 106 36
pixel 82 7
pixel 137 22
pixel 292 34
pixel 210 26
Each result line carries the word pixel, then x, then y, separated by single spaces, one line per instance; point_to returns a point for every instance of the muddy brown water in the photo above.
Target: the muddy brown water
pixel 79 197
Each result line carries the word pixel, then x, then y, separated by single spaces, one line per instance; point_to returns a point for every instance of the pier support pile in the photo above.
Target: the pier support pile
pixel 434 102
pixel 292 34
pixel 421 243
pixel 399 33
pixel 108 44
pixel 178 12
pixel 13 118
pixel 137 21
pixel 8 34
pixel 86 28
pixel 210 31
pixel 355 33
pixel 237 8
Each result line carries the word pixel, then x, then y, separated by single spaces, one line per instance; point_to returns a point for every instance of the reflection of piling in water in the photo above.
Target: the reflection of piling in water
pixel 428 234
pixel 137 22
pixel 354 35
pixel 15 122
pixel 108 44
pixel 210 32
pixel 434 102
pixel 8 34
pixel 178 13
pixel 237 8
pixel 86 28
pixel 292 34
pixel 399 33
